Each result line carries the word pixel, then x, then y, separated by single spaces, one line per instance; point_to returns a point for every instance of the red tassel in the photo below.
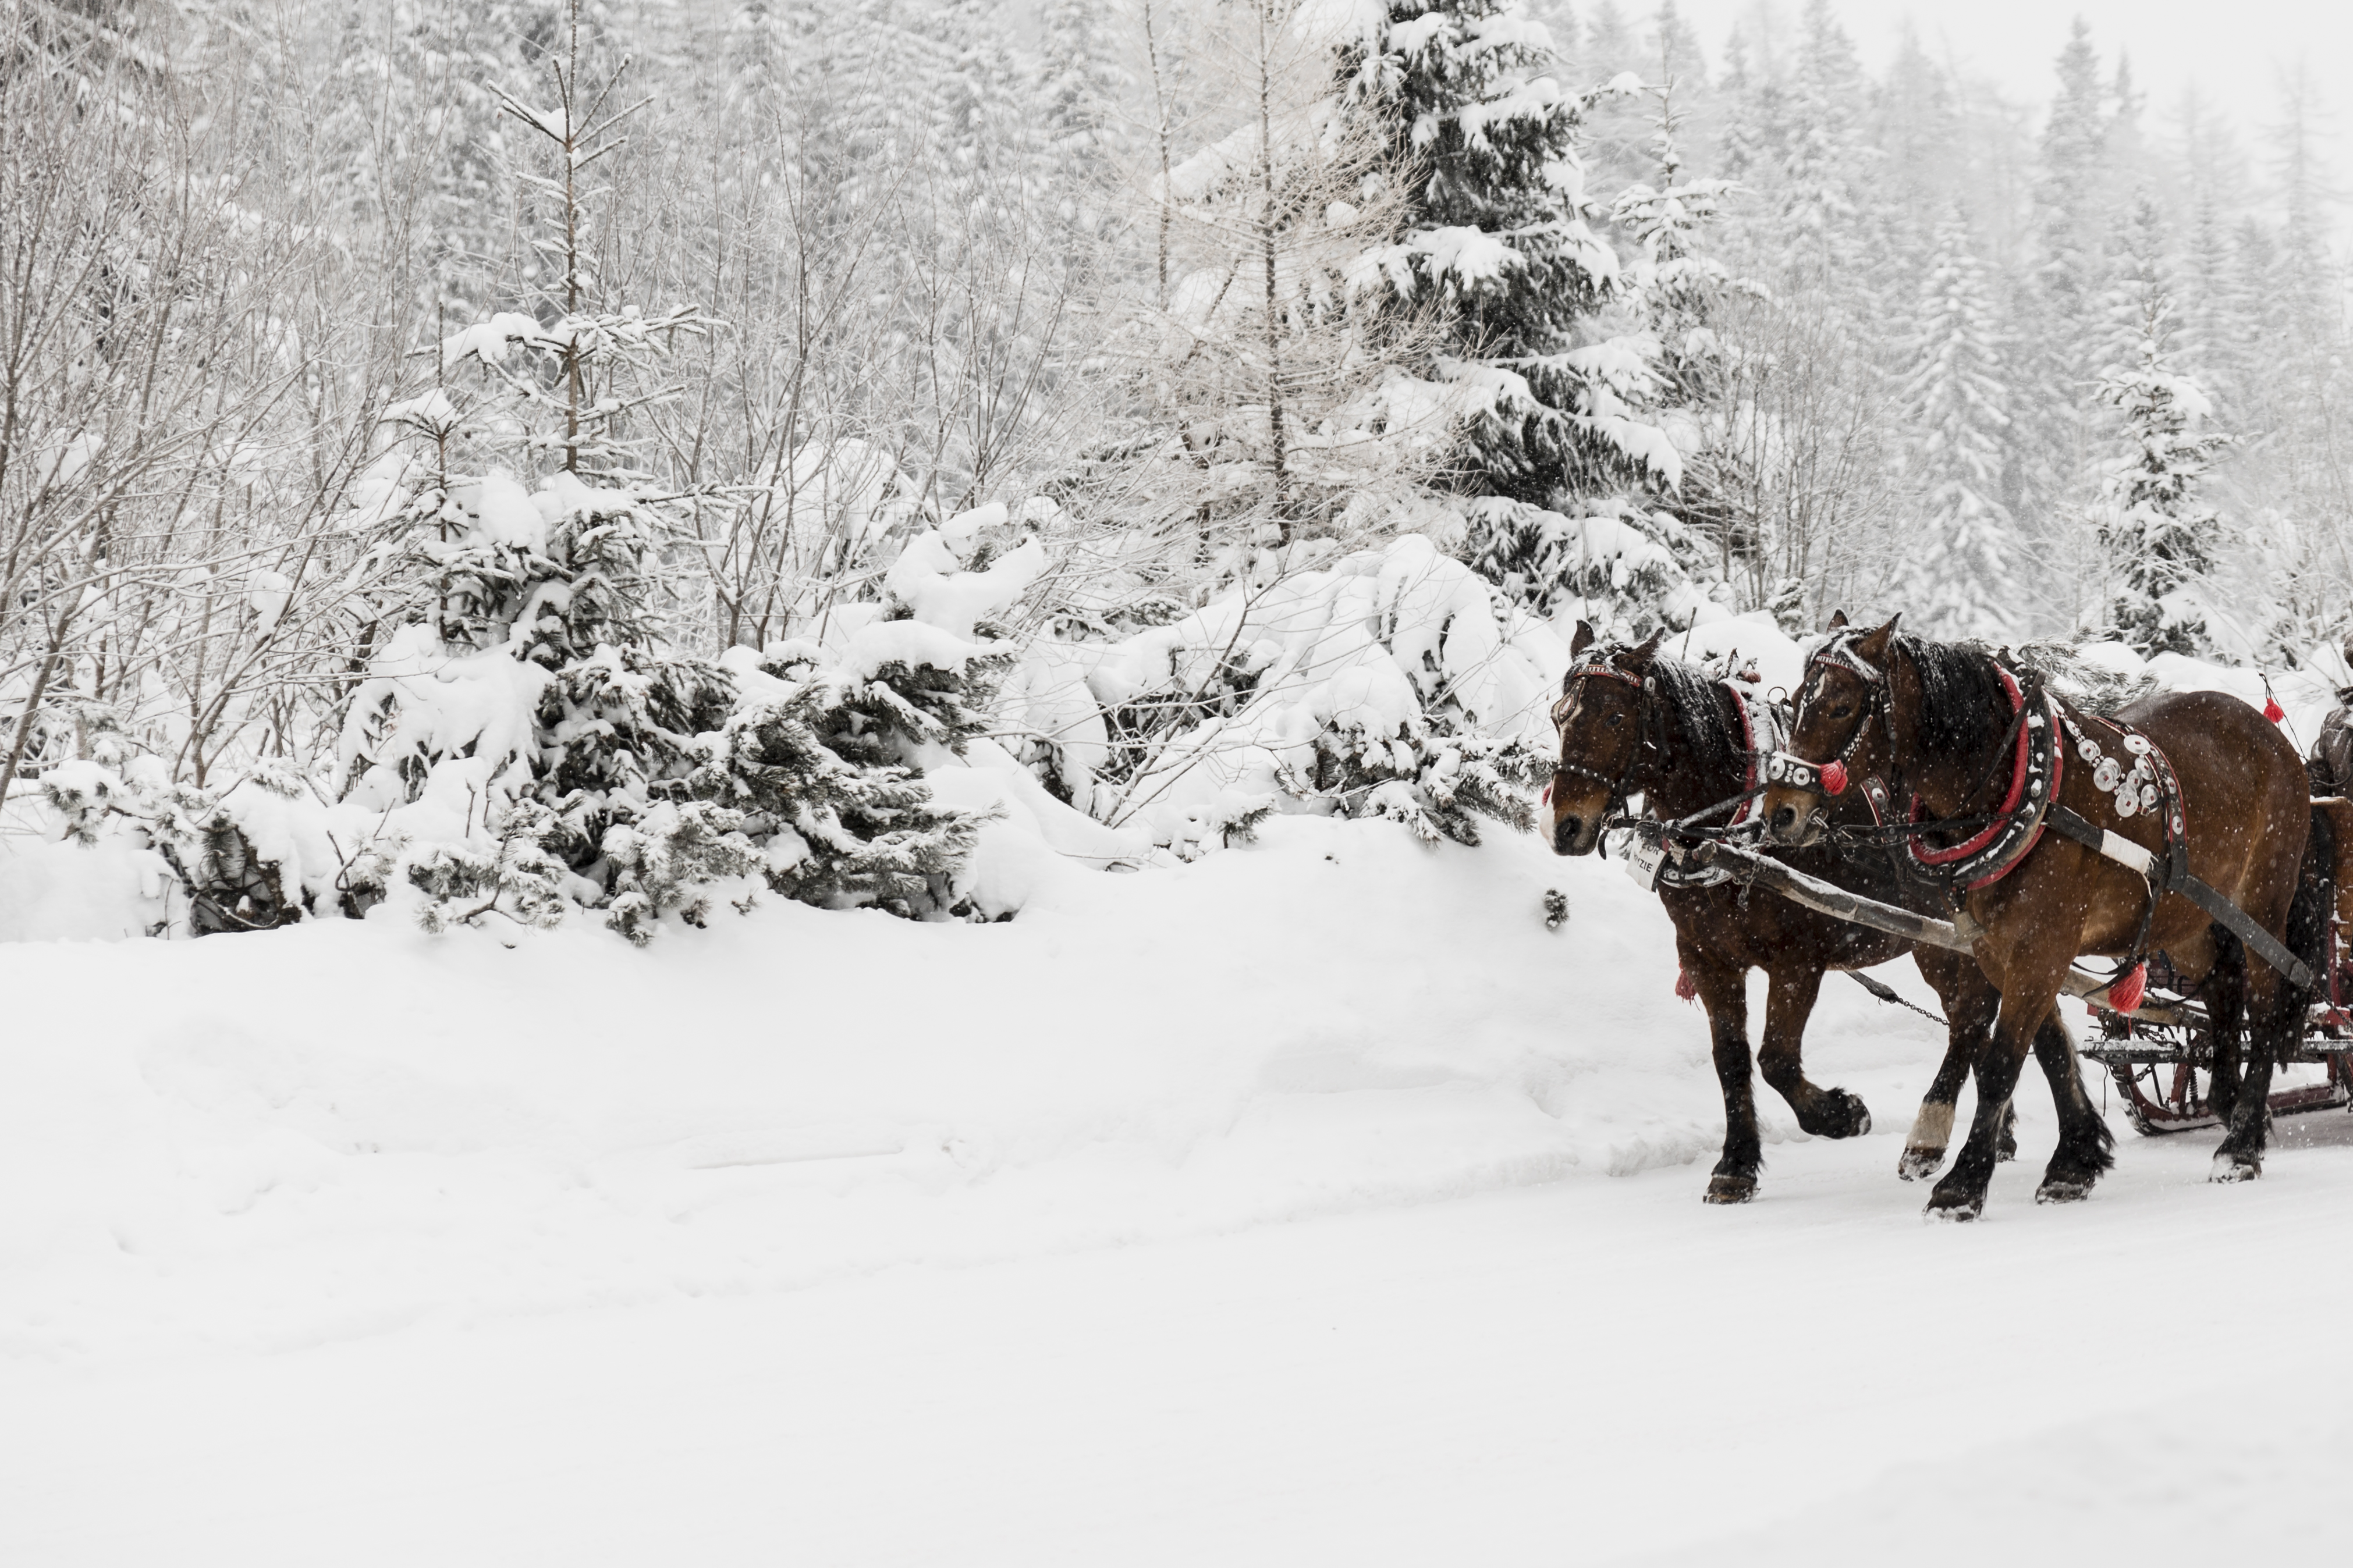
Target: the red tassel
pixel 2125 995
pixel 1834 777
pixel 1686 989
pixel 2272 711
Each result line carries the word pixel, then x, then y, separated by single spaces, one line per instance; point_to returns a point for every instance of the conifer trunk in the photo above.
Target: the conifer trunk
pixel 1267 256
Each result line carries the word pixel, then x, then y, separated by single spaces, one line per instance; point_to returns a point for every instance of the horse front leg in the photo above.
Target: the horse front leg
pixel 1789 1001
pixel 1970 1003
pixel 2087 1147
pixel 1724 991
pixel 2026 1003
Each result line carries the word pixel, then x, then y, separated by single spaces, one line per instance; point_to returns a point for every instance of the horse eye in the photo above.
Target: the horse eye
pixel 1844 709
pixel 1613 720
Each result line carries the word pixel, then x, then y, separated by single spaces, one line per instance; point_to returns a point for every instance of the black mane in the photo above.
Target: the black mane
pixel 1964 706
pixel 1698 712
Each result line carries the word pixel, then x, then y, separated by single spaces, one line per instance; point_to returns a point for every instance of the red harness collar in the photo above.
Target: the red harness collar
pixel 1748 747
pixel 2020 769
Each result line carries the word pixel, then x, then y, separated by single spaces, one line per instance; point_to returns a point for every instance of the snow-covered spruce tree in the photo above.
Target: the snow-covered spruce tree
pixel 2074 205
pixel 536 697
pixel 1956 410
pixel 1680 287
pixel 1497 243
pixel 2157 536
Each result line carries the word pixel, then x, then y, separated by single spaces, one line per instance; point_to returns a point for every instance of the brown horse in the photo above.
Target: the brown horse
pixel 1954 733
pixel 1634 723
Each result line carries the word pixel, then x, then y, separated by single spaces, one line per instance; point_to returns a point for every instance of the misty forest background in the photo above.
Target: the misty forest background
pixel 342 344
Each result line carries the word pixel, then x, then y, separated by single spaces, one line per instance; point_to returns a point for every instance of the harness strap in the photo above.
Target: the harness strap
pixel 2225 913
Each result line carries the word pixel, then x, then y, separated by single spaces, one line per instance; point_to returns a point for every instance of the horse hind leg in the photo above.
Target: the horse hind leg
pixel 2224 991
pixel 2086 1148
pixel 1789 1003
pixel 2277 1004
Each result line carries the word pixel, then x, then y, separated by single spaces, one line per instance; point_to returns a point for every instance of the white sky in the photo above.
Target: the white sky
pixel 2233 48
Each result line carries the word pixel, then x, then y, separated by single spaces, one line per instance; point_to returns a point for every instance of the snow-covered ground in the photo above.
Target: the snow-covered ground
pixel 1256 1211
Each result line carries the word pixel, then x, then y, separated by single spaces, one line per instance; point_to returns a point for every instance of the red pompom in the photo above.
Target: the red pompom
pixel 1686 989
pixel 2125 995
pixel 1834 778
pixel 2272 711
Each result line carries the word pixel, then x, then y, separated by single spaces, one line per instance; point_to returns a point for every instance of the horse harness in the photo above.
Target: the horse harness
pixel 2144 787
pixel 2009 832
pixel 1758 718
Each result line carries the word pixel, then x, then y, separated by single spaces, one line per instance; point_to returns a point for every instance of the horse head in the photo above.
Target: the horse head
pixel 1843 726
pixel 1599 720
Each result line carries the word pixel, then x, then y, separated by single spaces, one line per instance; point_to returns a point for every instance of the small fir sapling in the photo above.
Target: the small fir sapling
pixel 835 832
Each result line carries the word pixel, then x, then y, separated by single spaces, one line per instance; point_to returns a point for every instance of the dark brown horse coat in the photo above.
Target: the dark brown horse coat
pixel 1936 724
pixel 1632 723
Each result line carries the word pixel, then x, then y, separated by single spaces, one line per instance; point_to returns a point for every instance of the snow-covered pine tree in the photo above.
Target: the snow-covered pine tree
pixel 1679 286
pixel 1497 239
pixel 2158 536
pixel 1956 410
pixel 1083 85
pixel 1558 392
pixel 2073 202
pixel 539 677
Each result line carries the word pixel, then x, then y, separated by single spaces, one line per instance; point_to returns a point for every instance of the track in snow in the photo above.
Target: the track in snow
pixel 1591 1371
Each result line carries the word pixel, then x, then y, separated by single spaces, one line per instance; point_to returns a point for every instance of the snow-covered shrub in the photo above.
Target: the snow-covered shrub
pixel 834 831
pixel 229 885
pixel 1632 569
pixel 518 878
pixel 670 860
pixel 1393 684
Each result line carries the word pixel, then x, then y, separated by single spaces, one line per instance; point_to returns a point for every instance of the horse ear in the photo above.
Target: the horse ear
pixel 1838 619
pixel 1638 659
pixel 1873 643
pixel 1582 640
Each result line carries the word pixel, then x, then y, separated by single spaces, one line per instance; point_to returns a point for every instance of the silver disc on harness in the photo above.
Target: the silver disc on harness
pixel 2135 744
pixel 2126 805
pixel 2148 797
pixel 2108 775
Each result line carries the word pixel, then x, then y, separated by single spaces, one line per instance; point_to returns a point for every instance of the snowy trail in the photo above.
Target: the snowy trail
pixel 1314 1203
pixel 1583 1372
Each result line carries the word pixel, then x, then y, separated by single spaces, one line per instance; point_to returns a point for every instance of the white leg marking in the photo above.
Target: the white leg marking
pixel 1933 1128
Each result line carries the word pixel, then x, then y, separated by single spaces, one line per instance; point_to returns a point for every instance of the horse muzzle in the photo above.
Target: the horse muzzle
pixel 1575 835
pixel 1793 817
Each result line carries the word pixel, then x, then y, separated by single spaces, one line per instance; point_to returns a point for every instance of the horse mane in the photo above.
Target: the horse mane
pixel 2084 685
pixel 1964 706
pixel 1697 711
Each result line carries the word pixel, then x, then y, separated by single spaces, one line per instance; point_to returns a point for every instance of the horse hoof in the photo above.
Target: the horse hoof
pixel 1846 1117
pixel 2234 1168
pixel 1959 1208
pixel 2004 1152
pixel 2063 1190
pixel 1731 1189
pixel 1919 1164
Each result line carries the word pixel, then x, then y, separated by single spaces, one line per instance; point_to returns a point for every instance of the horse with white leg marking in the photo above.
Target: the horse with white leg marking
pixel 1635 722
pixel 2181 824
